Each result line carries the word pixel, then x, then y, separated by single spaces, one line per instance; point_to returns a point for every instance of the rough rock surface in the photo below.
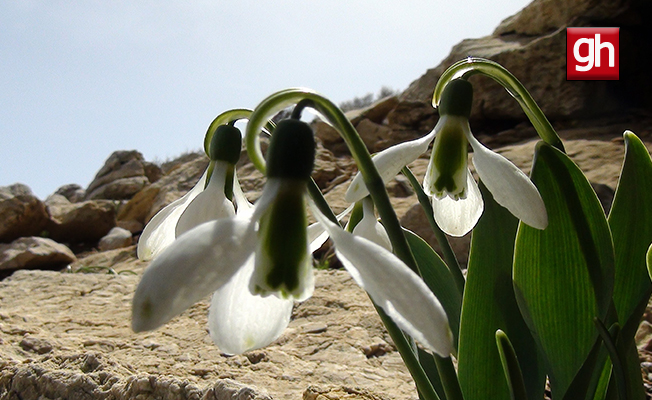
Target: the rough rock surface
pixel 84 222
pixel 34 252
pixel 73 192
pixel 123 175
pixel 21 213
pixel 117 238
pixel 532 45
pixel 178 180
pixel 72 340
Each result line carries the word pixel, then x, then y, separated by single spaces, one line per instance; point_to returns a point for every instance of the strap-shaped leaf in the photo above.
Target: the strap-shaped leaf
pixel 439 279
pixel 563 275
pixel 630 220
pixel 489 305
pixel 511 367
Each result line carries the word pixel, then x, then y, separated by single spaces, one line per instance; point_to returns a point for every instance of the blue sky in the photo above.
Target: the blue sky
pixel 81 79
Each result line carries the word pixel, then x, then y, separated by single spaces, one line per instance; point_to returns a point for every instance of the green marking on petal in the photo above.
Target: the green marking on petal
pixel 449 159
pixel 284 241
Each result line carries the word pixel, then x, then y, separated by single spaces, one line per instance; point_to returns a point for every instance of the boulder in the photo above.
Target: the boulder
pixel 532 46
pixel 73 192
pixel 34 253
pixel 21 213
pixel 85 222
pixel 123 175
pixel 178 180
pixel 117 238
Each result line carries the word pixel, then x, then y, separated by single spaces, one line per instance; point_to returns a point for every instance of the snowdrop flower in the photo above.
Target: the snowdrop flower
pixel 219 253
pixel 205 201
pixel 456 200
pixel 160 230
pixel 369 228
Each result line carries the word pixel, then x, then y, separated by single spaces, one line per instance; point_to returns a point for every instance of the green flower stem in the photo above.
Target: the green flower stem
pixel 448 378
pixel 320 201
pixel 229 117
pixel 423 384
pixel 282 99
pixel 442 239
pixel 475 65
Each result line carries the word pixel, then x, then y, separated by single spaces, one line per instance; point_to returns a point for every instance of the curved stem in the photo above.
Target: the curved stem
pixel 474 65
pixel 282 99
pixel 229 117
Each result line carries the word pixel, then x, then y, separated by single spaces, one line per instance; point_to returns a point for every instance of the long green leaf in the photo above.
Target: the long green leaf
pixel 563 275
pixel 489 305
pixel 511 366
pixel 630 220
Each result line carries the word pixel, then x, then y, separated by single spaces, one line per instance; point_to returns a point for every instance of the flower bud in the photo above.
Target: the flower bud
pixel 291 152
pixel 226 144
pixel 456 98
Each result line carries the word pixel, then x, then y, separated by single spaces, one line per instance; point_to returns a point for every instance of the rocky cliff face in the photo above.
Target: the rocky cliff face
pixel 67 336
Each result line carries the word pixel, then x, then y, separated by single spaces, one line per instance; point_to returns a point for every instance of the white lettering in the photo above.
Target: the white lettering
pixel 587 59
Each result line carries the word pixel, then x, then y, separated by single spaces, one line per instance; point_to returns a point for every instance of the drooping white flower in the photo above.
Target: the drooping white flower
pixel 456 199
pixel 160 230
pixel 232 257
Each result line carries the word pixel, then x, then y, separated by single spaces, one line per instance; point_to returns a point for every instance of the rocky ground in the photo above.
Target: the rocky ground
pixel 66 334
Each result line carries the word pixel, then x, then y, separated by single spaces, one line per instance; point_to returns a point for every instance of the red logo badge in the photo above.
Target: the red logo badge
pixel 592 54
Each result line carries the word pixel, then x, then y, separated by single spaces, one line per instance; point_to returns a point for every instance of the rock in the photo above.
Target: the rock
pixel 85 222
pixel 21 213
pixel 81 324
pixel 123 175
pixel 328 171
pixel 117 238
pixel 376 112
pixel 180 178
pixel 33 253
pixel 532 46
pixel 73 192
pixel 330 138
pixel 116 261
pixel 373 134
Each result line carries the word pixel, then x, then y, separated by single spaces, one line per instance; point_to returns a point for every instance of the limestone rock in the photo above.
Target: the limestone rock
pixel 21 213
pixel 532 45
pixel 34 252
pixel 179 179
pixel 373 134
pixel 117 238
pixel 122 176
pixel 376 112
pixel 79 323
pixel 85 222
pixel 73 192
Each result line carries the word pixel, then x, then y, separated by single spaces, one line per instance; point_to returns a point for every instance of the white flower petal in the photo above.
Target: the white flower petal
pixel 208 205
pixel 244 206
pixel 447 128
pixel 389 163
pixel 458 217
pixel 160 230
pixel 239 321
pixel 305 274
pixel 369 227
pixel 394 287
pixel 510 187
pixel 196 264
pixel 317 234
